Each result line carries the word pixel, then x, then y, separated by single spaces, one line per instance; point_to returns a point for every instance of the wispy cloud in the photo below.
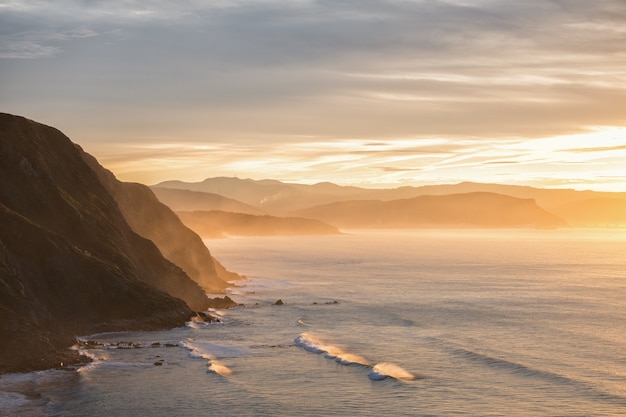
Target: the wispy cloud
pixel 348 85
pixel 39 43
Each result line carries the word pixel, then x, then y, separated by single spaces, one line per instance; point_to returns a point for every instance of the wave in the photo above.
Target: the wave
pixel 389 370
pixel 523 370
pixel 314 345
pixel 377 372
pixel 95 360
pixel 209 352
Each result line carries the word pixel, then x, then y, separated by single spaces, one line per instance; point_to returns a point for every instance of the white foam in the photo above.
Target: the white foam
pixel 389 370
pixel 378 372
pixel 211 352
pixel 219 368
pixel 315 345
pixel 95 360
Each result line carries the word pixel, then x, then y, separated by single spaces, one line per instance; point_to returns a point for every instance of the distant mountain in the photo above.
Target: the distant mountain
pixel 270 196
pixel 215 223
pixel 275 197
pixel 455 210
pixel 186 200
pixel 69 262
pixel 550 199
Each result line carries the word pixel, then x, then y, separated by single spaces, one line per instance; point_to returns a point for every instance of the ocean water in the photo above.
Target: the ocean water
pixel 411 323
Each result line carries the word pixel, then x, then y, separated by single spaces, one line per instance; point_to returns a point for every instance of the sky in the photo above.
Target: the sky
pixel 356 92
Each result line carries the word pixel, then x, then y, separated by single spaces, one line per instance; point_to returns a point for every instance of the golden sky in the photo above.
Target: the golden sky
pixel 361 92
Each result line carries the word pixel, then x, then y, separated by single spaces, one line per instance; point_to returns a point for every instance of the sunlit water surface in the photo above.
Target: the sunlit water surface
pixel 414 323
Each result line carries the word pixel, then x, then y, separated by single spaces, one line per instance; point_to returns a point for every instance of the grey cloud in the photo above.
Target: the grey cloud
pixel 288 67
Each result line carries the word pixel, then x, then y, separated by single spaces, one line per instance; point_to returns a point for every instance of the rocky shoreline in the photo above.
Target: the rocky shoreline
pixel 71 263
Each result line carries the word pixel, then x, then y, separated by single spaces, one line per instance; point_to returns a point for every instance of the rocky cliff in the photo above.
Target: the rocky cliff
pixel 157 222
pixel 69 262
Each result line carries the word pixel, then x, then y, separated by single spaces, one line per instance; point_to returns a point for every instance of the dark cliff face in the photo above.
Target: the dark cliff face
pixel 69 262
pixel 157 222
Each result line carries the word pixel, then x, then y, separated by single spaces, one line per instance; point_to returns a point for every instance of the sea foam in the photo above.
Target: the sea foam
pixel 378 372
pixel 209 352
pixel 389 370
pixel 312 344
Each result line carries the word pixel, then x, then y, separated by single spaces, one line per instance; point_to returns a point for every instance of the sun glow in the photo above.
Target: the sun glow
pixel 588 160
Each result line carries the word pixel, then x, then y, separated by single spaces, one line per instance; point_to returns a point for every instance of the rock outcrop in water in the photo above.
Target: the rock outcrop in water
pixel 70 264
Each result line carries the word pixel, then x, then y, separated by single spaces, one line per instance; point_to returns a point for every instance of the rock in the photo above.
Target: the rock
pixel 206 318
pixel 223 302
pixel 279 302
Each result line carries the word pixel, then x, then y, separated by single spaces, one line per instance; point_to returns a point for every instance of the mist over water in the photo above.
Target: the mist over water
pixel 411 323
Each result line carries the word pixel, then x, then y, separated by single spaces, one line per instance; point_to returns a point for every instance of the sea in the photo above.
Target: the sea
pixel 374 323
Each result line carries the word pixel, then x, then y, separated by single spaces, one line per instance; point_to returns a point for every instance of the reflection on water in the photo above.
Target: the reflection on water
pixel 516 323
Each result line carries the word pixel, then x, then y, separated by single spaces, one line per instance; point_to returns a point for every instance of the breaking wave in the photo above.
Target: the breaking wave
pixel 377 372
pixel 312 344
pixel 389 370
pixel 210 352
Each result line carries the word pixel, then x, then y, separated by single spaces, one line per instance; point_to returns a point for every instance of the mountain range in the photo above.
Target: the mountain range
pixel 348 206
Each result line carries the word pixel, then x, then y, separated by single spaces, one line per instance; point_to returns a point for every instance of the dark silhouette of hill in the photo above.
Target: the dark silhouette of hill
pixel 211 224
pixel 453 210
pixel 155 221
pixel 186 200
pixel 69 262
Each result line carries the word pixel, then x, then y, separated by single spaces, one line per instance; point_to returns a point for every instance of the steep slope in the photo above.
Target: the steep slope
pixel 69 262
pixel 186 200
pixel 220 223
pixel 155 221
pixel 455 210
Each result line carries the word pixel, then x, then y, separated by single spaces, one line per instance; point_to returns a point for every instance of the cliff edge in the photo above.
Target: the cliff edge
pixel 70 264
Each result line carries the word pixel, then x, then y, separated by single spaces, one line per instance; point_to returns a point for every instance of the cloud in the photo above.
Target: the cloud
pixel 600 149
pixel 38 43
pixel 269 75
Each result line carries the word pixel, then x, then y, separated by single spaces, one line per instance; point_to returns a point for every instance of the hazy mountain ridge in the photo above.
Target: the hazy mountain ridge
pixel 157 222
pixel 270 196
pixel 186 200
pixel 279 198
pixel 212 224
pixel 453 210
pixel 69 262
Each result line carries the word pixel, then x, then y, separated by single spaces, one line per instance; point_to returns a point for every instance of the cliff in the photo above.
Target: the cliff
pixel 155 221
pixel 69 262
